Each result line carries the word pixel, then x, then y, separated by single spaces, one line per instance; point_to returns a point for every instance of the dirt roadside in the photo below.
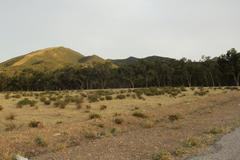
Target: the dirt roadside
pixel 141 144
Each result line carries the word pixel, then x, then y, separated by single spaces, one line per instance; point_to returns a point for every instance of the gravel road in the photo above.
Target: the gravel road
pixel 228 148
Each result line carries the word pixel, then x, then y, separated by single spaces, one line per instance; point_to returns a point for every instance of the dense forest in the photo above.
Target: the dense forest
pixel 219 71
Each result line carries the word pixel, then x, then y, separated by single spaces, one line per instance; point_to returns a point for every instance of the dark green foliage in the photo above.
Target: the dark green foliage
pixel 152 73
pixel 40 142
pixel 108 98
pixel 25 102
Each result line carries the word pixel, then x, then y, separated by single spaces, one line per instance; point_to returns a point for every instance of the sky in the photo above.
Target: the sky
pixel 121 28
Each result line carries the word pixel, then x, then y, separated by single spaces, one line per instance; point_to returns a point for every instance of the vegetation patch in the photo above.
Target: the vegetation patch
pixel 139 115
pixel 94 116
pixel 162 155
pixel 40 142
pixel 25 102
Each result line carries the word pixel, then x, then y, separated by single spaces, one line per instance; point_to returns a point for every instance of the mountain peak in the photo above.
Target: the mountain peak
pixel 49 58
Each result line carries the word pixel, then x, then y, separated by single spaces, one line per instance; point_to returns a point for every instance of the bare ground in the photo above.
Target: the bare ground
pixel 137 143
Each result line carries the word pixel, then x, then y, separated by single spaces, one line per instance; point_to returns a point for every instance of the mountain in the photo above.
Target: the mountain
pixel 91 60
pixel 54 58
pixel 50 59
pixel 131 60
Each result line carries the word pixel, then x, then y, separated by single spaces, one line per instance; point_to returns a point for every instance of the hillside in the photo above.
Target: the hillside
pixel 91 60
pixel 131 60
pixel 49 59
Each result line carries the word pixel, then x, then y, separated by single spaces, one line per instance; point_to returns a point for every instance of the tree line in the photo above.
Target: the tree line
pixel 220 71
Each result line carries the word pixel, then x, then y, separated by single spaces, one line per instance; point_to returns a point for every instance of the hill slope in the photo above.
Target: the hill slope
pixel 44 59
pixel 131 60
pixel 91 60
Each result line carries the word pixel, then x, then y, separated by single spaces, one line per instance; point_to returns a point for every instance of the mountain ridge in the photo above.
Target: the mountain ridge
pixel 54 58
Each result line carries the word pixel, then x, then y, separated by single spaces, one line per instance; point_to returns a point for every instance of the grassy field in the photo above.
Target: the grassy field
pixel 173 123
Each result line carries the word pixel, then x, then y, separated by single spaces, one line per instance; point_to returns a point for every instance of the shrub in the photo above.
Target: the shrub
pixel 88 107
pixel 47 102
pixel 139 115
pixel 162 155
pixel 7 96
pixel 26 101
pixel 103 107
pixel 43 99
pixel 90 135
pixel 113 131
pixel 174 117
pixel 79 100
pixel 1 107
pixel 120 96
pixel 16 96
pixel 94 116
pixel 79 106
pixel 201 92
pixel 10 117
pixel 35 124
pixel 183 89
pixel 147 124
pixel 10 126
pixel 216 130
pixel 93 98
pixel 108 97
pixel 180 152
pixel 40 142
pixel 118 120
pixel 102 98
pixel 61 104
pixel 192 142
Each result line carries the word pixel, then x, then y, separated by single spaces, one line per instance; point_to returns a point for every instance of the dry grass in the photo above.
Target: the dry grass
pixel 65 126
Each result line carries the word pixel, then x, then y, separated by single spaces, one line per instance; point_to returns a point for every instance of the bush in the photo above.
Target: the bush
pixel 120 96
pixel 40 142
pixel 10 117
pixel 192 142
pixel 103 107
pixel 47 102
pixel 216 130
pixel 108 98
pixel 162 155
pixel 118 120
pixel 79 106
pixel 201 92
pixel 7 96
pixel 139 115
pixel 88 107
pixel 93 98
pixel 94 116
pixel 147 124
pixel 90 135
pixel 61 104
pixel 35 124
pixel 174 117
pixel 25 102
pixel 43 99
pixel 10 126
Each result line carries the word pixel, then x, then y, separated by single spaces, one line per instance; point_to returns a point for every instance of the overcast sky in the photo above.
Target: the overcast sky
pixel 121 28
